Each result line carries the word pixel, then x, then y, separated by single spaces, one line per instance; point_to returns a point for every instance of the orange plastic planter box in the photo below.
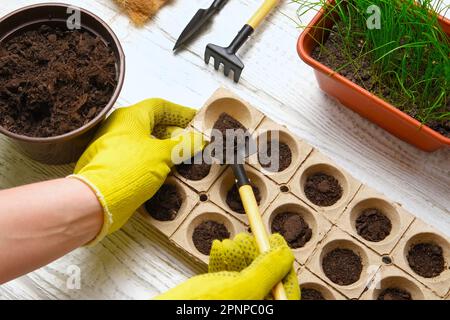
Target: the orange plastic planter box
pixel 362 101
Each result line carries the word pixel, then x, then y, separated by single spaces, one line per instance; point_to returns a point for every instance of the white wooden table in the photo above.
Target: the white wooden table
pixel 135 262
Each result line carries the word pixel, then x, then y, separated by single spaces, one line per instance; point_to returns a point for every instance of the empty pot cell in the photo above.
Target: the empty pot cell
pixel 313 288
pixel 344 263
pixel 324 186
pixel 223 101
pixel 288 152
pixel 423 253
pixel 225 193
pixel 205 224
pixel 167 209
pixel 297 223
pixel 391 283
pixel 375 221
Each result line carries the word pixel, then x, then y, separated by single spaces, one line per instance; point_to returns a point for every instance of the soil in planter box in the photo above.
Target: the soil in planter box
pixel 234 199
pixel 322 189
pixel 226 122
pixel 293 228
pixel 373 225
pixel 206 232
pixel 165 204
pixel 284 155
pixel 342 266
pixel 53 81
pixel 394 294
pixel 426 259
pixel 193 171
pixel 311 294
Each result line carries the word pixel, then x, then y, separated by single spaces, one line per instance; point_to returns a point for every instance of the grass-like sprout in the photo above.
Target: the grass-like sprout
pixel 406 61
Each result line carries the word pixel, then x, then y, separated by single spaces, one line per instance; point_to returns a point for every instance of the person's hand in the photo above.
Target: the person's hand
pixel 132 154
pixel 238 272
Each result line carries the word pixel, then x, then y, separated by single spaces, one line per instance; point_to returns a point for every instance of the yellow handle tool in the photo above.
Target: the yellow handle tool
pixel 262 13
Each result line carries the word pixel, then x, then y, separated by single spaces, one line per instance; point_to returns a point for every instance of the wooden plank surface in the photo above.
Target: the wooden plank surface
pixel 136 262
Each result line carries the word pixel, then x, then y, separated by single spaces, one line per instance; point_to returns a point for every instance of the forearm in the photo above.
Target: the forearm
pixel 40 223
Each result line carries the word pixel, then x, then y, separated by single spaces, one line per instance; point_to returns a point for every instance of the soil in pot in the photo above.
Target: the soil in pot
pixel 206 232
pixel 234 199
pixel 194 171
pixel 293 228
pixel 284 156
pixel 224 123
pixel 394 294
pixel 373 225
pixel 165 204
pixel 322 189
pixel 311 294
pixel 426 259
pixel 342 266
pixel 53 81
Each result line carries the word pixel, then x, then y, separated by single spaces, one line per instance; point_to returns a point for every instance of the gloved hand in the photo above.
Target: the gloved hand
pixel 238 272
pixel 125 165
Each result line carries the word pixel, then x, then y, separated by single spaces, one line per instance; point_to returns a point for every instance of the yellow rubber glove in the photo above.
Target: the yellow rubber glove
pixel 125 165
pixel 238 272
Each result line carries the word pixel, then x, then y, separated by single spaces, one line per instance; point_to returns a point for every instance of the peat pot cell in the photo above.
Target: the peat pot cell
pixel 204 225
pixel 376 222
pixel 279 152
pixel 297 223
pixel 391 283
pixel 225 193
pixel 223 101
pixel 313 288
pixel 169 206
pixel 344 263
pixel 424 254
pixel 322 185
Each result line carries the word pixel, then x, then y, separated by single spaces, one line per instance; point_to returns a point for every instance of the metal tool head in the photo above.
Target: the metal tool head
pixel 224 56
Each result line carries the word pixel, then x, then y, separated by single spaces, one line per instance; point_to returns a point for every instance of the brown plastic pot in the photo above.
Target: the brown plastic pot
pixel 68 147
pixel 362 101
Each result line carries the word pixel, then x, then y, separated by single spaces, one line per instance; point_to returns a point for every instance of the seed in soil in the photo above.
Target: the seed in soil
pixel 426 259
pixel 394 294
pixel 342 266
pixel 284 156
pixel 192 170
pixel 373 225
pixel 293 228
pixel 165 204
pixel 322 189
pixel 311 294
pixel 234 199
pixel 206 232
pixel 53 81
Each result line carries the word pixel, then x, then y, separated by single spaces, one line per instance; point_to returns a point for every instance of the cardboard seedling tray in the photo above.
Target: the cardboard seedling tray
pixel 384 262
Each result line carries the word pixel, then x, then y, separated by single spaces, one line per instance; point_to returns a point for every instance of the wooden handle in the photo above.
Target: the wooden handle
pixel 259 231
pixel 262 12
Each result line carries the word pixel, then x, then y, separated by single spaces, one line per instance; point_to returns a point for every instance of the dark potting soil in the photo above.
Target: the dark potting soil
pixel 234 199
pixel 284 156
pixel 360 72
pixel 342 266
pixel 426 259
pixel 322 189
pixel 165 204
pixel 206 232
pixel 394 294
pixel 54 81
pixel 293 228
pixel 311 294
pixel 373 225
pixel 226 122
pixel 193 171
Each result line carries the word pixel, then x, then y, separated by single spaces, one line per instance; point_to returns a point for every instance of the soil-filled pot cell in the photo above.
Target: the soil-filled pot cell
pixel 194 169
pixel 54 81
pixel 342 266
pixel 373 225
pixel 394 294
pixel 426 259
pixel 282 150
pixel 165 204
pixel 206 232
pixel 311 294
pixel 234 199
pixel 323 189
pixel 293 228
